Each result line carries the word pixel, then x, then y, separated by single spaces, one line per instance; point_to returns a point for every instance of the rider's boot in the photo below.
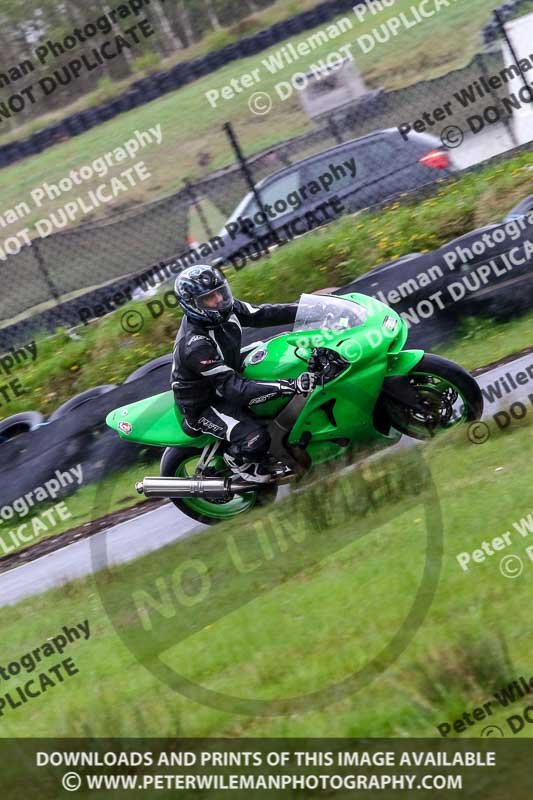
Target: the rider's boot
pixel 250 471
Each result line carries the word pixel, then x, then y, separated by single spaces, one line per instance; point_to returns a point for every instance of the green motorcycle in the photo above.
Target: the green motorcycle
pixel 369 390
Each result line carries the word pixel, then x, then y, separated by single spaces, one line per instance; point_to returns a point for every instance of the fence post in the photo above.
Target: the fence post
pixel 499 20
pixel 334 130
pixel 228 127
pixel 198 206
pixel 504 114
pixel 44 269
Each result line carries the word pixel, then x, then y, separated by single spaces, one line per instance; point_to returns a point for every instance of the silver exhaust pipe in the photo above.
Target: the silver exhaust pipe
pixel 176 488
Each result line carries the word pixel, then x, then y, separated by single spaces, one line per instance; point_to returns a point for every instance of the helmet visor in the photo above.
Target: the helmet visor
pixel 219 299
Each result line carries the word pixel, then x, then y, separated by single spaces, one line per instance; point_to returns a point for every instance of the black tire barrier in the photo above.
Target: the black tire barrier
pixel 45 137
pixel 17 424
pixel 108 449
pixel 249 46
pixel 25 147
pixel 146 369
pixel 148 88
pixel 230 52
pixel 34 464
pixel 151 88
pixel 80 400
pixel 74 125
pixel 321 15
pixel 295 25
pixel 125 103
pixel 198 68
pixel 14 152
pixel 179 75
pixel 79 437
pixel 107 112
pixel 164 82
pixel 214 60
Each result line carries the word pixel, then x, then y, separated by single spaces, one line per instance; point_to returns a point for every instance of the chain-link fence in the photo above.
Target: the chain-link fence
pixel 414 135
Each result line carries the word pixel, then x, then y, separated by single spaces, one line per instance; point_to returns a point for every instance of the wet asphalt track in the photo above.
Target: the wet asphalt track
pixel 159 527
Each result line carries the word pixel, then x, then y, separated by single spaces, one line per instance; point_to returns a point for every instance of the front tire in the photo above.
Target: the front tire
pixel 450 394
pixel 180 462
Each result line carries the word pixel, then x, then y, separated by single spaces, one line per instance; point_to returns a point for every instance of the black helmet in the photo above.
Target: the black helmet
pixel 204 294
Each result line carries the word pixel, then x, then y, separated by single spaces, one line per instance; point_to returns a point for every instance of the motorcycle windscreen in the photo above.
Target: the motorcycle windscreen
pixel 327 312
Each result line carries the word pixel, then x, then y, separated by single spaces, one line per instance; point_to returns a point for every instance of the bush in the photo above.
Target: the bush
pixel 147 63
pixel 216 40
pixel 104 91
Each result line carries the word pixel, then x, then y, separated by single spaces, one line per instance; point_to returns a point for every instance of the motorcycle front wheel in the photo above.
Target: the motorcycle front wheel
pixel 449 396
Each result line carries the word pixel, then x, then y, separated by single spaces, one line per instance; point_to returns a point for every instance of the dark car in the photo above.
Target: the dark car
pixel 344 178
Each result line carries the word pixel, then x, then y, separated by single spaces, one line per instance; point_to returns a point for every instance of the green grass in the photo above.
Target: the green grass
pixel 329 257
pixel 191 126
pixel 482 342
pixel 302 619
pixel 80 508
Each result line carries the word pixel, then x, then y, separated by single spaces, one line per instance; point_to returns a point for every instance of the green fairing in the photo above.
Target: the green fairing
pixel 156 421
pixel 372 351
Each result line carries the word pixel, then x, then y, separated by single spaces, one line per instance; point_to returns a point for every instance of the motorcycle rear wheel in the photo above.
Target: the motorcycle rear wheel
pixel 180 462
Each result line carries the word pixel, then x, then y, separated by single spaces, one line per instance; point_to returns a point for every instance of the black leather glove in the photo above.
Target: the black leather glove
pixel 305 383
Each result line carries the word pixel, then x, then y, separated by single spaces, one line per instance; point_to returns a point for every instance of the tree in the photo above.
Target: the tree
pixel 212 15
pixel 182 23
pixel 169 41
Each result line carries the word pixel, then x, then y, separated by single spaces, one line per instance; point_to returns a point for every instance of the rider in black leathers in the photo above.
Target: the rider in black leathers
pixel 209 391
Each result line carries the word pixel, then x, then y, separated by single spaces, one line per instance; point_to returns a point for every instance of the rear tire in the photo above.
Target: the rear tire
pixel 437 381
pixel 179 461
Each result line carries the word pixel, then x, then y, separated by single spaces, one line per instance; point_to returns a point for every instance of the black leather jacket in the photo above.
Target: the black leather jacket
pixel 207 360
